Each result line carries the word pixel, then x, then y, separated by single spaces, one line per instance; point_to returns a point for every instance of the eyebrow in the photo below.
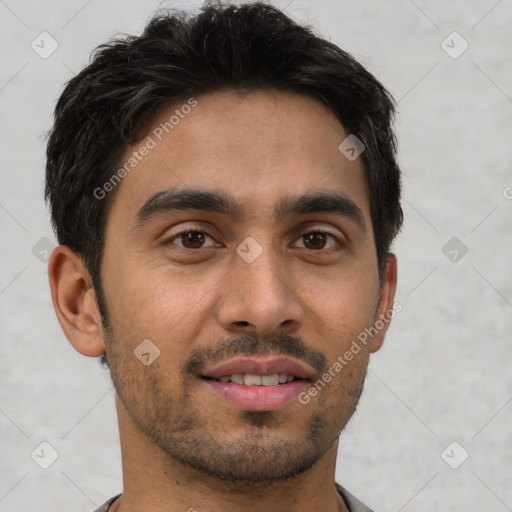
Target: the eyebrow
pixel 180 199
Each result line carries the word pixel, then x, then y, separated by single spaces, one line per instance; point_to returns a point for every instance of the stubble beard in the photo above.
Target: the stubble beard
pixel 260 455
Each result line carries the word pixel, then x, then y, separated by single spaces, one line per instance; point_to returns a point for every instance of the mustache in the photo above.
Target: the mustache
pixel 252 345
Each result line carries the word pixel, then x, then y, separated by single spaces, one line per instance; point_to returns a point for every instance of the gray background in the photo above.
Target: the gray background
pixel 443 374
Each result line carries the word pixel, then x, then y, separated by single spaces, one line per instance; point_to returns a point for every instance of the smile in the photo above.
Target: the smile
pixel 256 392
pixel 257 380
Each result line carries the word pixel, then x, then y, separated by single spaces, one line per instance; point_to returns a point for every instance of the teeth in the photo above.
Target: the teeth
pixel 258 380
pixel 270 380
pixel 252 380
pixel 237 378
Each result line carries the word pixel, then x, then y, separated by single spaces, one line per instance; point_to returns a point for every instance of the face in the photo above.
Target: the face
pixel 241 244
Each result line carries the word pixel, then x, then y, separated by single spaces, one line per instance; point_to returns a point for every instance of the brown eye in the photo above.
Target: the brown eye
pixel 191 239
pixel 317 240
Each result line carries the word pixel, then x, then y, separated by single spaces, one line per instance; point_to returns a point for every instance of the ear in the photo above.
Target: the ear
pixel 75 303
pixel 386 308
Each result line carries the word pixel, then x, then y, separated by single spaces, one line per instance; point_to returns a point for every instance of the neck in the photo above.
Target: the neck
pixel 154 481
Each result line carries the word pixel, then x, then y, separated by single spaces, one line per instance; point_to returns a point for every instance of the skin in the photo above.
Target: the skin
pixel 183 446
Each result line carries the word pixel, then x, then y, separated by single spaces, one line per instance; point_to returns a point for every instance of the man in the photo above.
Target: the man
pixel 225 192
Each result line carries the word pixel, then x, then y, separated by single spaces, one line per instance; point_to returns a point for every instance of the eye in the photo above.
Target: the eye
pixel 318 240
pixel 191 239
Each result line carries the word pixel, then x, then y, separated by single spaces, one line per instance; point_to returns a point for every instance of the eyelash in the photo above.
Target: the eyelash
pixel 195 229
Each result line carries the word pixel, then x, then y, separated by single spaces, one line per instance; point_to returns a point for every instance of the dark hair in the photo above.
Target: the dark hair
pixel 111 102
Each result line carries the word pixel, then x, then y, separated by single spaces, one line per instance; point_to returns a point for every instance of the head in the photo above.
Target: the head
pixel 202 202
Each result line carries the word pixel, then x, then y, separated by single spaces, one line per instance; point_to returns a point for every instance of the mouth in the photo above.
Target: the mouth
pixel 256 384
pixel 248 379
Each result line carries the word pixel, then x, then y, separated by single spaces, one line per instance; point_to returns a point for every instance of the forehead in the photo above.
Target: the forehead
pixel 255 146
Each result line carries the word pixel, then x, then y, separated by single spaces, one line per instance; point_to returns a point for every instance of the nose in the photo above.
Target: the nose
pixel 259 297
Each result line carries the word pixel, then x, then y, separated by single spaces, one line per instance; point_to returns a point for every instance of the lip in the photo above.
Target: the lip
pixel 261 366
pixel 257 398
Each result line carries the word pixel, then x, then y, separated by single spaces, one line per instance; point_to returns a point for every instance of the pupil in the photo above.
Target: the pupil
pixel 316 238
pixel 193 238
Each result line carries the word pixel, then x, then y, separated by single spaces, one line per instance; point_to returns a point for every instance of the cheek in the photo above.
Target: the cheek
pixel 343 302
pixel 155 301
pixel 349 314
pixel 339 316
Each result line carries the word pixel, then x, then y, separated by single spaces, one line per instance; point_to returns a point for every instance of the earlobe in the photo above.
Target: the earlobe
pixel 75 303
pixel 385 309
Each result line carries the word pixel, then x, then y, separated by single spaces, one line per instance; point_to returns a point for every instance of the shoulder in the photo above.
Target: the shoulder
pixel 106 505
pixel 352 502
